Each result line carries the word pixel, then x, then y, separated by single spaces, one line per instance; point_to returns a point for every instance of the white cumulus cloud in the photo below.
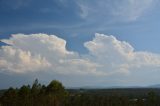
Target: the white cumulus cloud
pixel 42 52
pixel 107 56
pixel 119 56
pixel 20 61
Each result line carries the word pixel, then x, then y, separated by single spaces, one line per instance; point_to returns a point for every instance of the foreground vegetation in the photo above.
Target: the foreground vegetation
pixel 55 94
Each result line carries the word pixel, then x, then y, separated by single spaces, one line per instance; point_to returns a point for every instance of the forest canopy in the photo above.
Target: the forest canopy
pixel 55 94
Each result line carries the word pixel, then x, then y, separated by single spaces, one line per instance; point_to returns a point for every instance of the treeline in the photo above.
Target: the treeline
pixel 36 95
pixel 55 94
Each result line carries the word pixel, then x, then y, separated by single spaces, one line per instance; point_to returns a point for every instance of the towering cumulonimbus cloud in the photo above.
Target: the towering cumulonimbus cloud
pixel 106 56
pixel 42 52
pixel 119 56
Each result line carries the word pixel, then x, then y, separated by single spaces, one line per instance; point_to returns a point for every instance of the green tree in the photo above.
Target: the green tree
pixel 56 93
pixel 10 97
pixel 24 96
pixel 35 90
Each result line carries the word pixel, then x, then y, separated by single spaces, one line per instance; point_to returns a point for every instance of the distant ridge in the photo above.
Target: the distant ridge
pixel 105 87
pixel 155 86
pixel 114 87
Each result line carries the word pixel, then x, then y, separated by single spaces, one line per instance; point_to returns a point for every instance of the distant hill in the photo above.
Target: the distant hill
pixel 155 86
pixel 104 87
pixel 114 87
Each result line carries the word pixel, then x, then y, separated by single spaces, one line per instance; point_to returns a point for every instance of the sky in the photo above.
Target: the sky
pixel 100 43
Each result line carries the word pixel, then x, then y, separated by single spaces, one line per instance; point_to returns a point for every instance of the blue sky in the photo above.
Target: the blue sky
pixel 76 22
